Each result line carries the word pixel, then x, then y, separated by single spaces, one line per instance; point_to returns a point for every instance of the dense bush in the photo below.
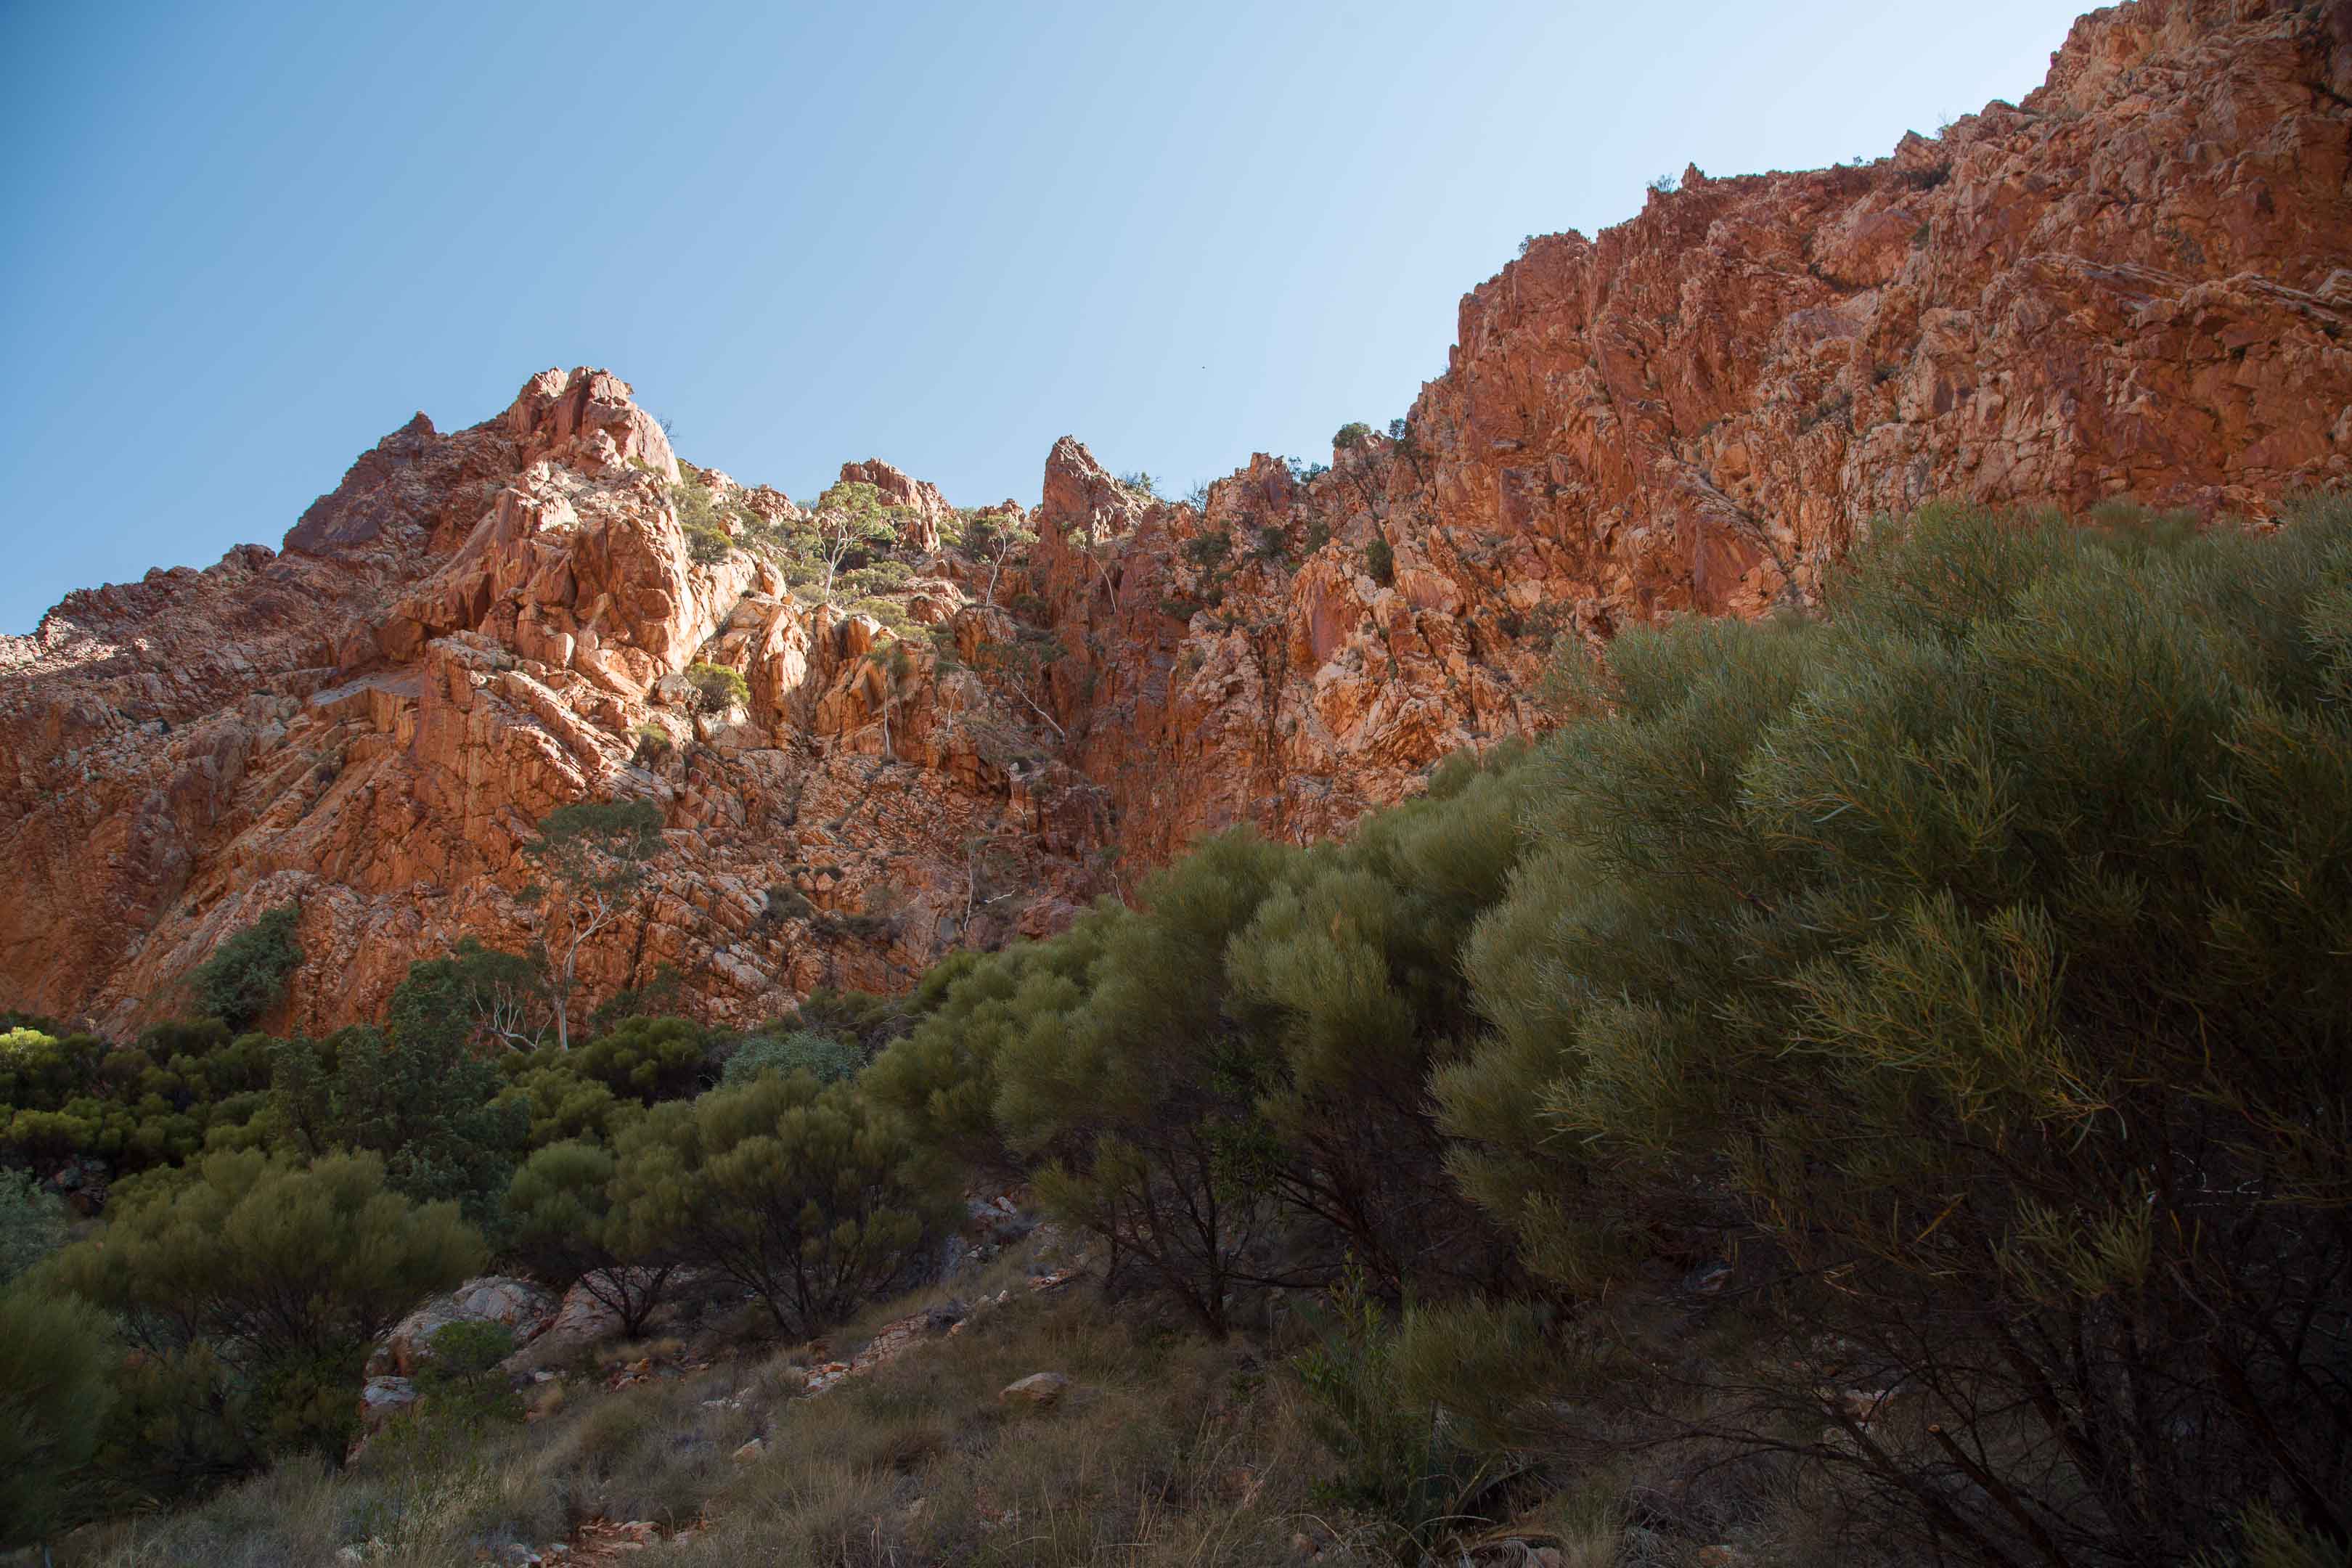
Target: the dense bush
pixel 55 1357
pixel 267 1260
pixel 718 689
pixel 156 1102
pixel 592 1090
pixel 246 976
pixel 476 995
pixel 252 1288
pixel 1228 1084
pixel 1977 955
pixel 1966 965
pixel 822 1056
pixel 809 1196
pixel 560 1222
pixel 427 1110
pixel 32 1224
pixel 704 522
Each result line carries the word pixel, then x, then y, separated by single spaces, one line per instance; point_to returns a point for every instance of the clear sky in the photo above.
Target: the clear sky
pixel 239 243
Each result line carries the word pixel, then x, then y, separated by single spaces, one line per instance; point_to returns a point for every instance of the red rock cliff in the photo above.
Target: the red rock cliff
pixel 2132 283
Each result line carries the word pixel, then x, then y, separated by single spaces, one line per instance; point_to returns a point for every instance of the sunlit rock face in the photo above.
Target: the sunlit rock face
pixel 2134 284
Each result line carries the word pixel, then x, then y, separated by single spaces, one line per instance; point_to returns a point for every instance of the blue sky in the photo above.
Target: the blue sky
pixel 238 242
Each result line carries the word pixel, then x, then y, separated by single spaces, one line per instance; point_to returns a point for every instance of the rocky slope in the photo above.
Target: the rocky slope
pixel 2134 283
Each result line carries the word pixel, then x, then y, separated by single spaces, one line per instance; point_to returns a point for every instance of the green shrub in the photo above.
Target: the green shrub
pixel 178 1425
pixel 718 689
pixel 560 1222
pixel 1978 953
pixel 32 1224
pixel 39 1069
pixel 267 1261
pixel 560 1104
pixel 806 1196
pixel 654 745
pixel 822 1056
pixel 705 525
pixel 1397 1459
pixel 1380 560
pixel 590 1091
pixel 1350 435
pixel 55 1357
pixel 784 902
pixel 476 995
pixel 649 1058
pixel 246 976
pixel 420 1103
pixel 157 1102
pixel 1205 551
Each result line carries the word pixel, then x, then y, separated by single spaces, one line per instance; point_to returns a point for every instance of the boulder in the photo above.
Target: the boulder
pixel 383 1398
pixel 1037 1390
pixel 520 1305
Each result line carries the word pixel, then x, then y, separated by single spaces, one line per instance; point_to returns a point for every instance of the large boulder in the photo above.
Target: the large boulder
pixel 520 1305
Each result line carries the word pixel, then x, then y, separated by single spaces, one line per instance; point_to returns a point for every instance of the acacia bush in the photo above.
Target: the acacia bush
pixel 1228 1083
pixel 251 1287
pixel 55 1357
pixel 592 1090
pixel 428 1109
pixel 156 1102
pixel 1971 961
pixel 810 1196
pixel 718 689
pixel 247 975
pixel 561 1222
pixel 32 1224
pixel 822 1056
pixel 267 1260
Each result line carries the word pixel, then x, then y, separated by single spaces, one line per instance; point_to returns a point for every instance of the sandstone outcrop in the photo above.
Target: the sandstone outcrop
pixel 2131 283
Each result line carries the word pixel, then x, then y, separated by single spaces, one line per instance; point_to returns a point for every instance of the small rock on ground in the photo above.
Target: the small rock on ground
pixel 1038 1389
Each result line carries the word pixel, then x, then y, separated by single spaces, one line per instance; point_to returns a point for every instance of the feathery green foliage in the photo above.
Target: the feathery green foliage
pixel 718 689
pixel 561 1220
pixel 32 1224
pixel 1978 953
pixel 428 1110
pixel 246 976
pixel 822 1056
pixel 807 1196
pixel 156 1102
pixel 55 1357
pixel 477 994
pixel 253 1287
pixel 267 1260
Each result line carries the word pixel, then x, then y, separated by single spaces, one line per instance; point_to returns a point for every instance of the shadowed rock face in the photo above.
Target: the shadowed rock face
pixel 2130 284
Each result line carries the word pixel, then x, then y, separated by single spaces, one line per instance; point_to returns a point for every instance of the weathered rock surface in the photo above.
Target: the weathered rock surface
pixel 1038 1390
pixel 520 1306
pixel 2134 282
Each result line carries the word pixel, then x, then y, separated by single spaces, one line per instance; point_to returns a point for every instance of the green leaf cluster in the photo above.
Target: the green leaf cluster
pixel 810 1196
pixel 247 975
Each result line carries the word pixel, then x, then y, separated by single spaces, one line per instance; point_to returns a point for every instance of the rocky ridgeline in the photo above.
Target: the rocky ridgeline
pixel 2132 283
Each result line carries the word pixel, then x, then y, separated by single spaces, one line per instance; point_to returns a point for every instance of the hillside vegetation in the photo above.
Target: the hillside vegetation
pixel 1873 1087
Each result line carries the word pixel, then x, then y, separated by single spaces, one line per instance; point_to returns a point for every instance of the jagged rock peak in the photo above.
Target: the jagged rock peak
pixel 585 418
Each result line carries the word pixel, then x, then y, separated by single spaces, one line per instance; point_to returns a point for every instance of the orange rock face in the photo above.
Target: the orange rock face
pixel 2134 284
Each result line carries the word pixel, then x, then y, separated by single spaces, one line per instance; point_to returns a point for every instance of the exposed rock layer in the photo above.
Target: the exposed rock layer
pixel 2130 284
